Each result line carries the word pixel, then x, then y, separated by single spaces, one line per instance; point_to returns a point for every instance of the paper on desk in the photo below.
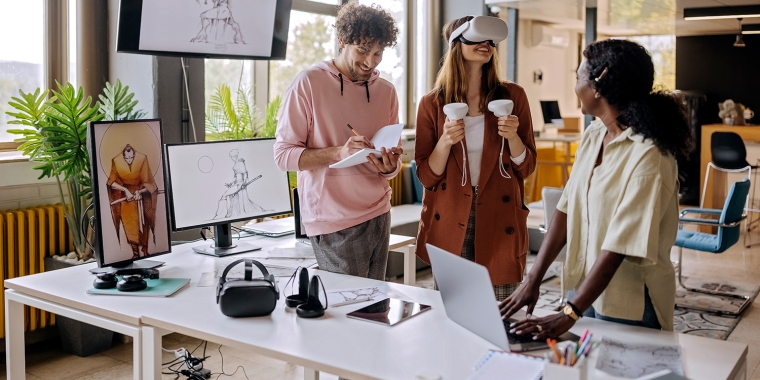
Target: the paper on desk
pixel 341 297
pixel 276 267
pixel 296 253
pixel 387 137
pixel 632 360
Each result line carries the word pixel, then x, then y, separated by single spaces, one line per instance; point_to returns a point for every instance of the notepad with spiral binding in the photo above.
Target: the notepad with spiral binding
pixel 495 364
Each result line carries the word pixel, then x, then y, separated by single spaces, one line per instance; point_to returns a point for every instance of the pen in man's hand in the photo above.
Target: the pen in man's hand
pixel 352 129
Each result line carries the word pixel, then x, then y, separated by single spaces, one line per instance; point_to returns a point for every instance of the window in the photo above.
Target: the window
pixel 394 64
pixel 73 44
pixel 311 39
pixel 663 51
pixel 21 55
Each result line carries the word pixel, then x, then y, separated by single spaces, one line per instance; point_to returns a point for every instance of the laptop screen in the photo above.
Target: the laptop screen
pixel 300 230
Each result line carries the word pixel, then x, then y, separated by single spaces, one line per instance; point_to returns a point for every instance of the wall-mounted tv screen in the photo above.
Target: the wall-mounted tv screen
pixel 237 29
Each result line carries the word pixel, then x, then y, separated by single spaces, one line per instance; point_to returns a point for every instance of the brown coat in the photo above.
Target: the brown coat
pixel 501 232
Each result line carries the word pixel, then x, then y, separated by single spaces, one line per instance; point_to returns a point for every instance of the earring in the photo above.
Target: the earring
pixel 313 307
pixel 294 300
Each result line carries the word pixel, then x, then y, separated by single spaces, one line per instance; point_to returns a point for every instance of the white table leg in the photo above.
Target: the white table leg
pixel 15 359
pixel 151 352
pixel 310 374
pixel 410 265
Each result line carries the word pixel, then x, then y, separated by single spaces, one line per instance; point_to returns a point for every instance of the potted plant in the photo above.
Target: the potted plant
pixel 228 119
pixel 727 112
pixel 56 138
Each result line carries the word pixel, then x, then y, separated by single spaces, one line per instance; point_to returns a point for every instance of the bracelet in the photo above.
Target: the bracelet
pixel 575 309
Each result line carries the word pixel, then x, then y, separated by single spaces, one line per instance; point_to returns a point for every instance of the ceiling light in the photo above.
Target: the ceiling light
pixel 739 41
pixel 710 13
pixel 751 29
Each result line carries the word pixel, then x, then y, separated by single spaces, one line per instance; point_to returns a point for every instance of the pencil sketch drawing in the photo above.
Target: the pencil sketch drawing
pixel 235 201
pixel 632 360
pixel 132 193
pixel 217 23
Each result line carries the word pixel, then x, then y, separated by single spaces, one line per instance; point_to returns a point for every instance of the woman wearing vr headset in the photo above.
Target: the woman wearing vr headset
pixel 618 213
pixel 473 168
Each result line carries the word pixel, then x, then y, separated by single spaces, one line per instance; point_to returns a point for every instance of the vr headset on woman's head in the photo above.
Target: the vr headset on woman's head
pixel 479 29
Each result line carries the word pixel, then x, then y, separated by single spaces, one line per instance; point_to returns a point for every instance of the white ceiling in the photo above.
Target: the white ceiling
pixel 629 17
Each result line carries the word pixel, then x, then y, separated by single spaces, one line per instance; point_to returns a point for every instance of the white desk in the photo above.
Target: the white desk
pixel 63 292
pixel 429 343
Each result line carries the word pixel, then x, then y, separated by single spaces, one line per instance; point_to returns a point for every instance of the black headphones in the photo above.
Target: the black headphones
pixel 132 280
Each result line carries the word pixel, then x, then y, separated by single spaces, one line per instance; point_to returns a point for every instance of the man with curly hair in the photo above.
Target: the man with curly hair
pixel 345 212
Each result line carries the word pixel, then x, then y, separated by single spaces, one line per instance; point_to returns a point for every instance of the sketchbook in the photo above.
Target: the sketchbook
pixel 387 137
pixel 496 364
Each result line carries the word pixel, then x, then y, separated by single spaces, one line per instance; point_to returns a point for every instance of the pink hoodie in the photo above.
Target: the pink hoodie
pixel 317 106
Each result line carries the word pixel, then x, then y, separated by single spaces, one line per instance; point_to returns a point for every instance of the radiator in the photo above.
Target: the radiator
pixel 397 188
pixel 26 237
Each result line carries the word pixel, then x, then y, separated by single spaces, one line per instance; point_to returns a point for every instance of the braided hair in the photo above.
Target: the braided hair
pixel 623 73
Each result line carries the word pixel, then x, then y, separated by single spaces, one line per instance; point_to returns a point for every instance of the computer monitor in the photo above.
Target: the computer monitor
pixel 128 188
pixel 550 110
pixel 246 29
pixel 220 182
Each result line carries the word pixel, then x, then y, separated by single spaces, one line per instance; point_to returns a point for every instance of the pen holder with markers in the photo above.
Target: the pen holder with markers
pixel 554 371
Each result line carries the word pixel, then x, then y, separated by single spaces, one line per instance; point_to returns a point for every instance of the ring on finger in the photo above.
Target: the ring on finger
pixel 540 329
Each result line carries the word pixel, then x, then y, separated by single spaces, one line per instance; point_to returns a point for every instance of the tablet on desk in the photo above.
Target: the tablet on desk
pixel 389 312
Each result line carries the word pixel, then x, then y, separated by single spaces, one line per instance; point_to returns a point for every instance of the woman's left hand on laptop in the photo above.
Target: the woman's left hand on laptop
pixel 550 326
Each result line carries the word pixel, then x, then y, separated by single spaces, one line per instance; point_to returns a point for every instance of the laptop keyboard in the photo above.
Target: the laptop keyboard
pixel 514 338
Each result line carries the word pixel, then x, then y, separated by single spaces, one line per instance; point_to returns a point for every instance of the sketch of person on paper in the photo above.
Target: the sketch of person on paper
pixel 235 201
pixel 215 22
pixel 132 193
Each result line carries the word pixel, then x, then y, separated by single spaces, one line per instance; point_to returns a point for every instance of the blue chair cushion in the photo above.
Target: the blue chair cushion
pixel 698 241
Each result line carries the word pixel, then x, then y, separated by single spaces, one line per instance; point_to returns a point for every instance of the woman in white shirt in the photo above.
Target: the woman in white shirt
pixel 618 213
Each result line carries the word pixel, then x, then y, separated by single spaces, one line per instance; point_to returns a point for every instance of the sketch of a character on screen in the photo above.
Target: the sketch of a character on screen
pixel 133 193
pixel 235 201
pixel 215 23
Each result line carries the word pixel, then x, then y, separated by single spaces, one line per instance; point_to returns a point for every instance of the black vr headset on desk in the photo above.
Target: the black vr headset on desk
pixel 248 296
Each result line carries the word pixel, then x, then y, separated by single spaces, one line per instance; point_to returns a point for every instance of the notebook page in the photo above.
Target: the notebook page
pixel 519 367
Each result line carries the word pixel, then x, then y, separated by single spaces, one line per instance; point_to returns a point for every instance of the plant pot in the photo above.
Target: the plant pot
pixel 78 338
pixel 82 339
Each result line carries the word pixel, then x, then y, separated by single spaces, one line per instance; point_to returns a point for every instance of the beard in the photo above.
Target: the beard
pixel 358 74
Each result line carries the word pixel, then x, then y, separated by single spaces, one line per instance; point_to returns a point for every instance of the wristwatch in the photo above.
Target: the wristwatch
pixel 568 310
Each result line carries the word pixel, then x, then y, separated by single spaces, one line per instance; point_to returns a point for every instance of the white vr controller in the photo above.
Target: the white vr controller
pixel 500 107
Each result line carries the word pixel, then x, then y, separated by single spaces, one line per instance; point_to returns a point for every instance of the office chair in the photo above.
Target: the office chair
pixel 728 224
pixel 550 197
pixel 730 155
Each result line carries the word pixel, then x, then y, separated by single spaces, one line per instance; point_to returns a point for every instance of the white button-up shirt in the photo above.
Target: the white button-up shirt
pixel 627 205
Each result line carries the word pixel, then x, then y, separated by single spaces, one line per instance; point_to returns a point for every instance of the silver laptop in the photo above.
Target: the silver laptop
pixel 468 299
pixel 272 228
pixel 299 228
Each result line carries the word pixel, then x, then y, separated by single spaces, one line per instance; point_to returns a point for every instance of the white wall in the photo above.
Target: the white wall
pixel 558 66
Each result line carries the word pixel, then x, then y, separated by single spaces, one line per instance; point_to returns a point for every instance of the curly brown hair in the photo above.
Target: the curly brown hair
pixel 358 24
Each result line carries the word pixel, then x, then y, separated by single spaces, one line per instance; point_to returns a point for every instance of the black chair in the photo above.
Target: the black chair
pixel 729 154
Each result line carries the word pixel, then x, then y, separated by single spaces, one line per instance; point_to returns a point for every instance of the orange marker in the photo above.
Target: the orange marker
pixel 553 346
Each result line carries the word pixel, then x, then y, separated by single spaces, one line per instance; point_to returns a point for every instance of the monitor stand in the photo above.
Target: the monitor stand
pixel 223 245
pixel 137 264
